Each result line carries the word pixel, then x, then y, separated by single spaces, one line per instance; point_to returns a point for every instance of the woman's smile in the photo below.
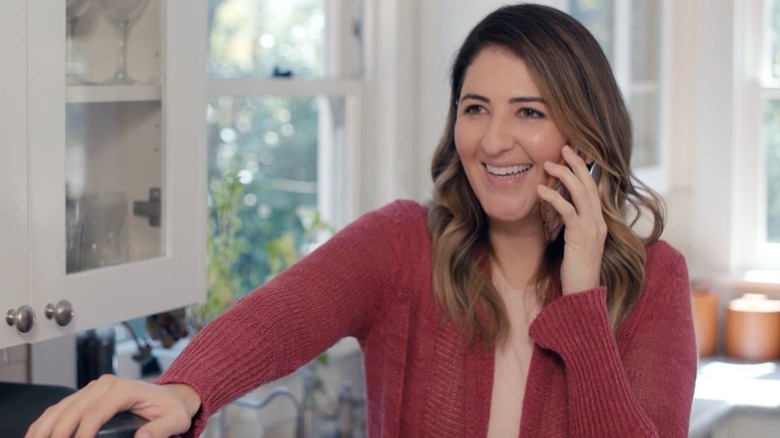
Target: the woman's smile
pixel 507 171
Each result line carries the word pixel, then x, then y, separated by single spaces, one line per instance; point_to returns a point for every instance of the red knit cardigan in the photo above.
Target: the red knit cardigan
pixel 373 281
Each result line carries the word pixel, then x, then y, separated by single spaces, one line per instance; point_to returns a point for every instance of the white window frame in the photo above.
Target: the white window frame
pixel 338 191
pixel 754 87
pixel 656 176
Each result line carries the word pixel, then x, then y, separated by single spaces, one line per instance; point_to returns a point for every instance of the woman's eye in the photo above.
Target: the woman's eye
pixel 530 113
pixel 473 109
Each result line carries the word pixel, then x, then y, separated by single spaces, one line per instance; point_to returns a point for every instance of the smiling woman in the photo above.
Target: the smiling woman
pixel 504 135
pixel 469 321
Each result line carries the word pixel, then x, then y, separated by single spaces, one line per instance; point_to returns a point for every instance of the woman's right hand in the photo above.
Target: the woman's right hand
pixel 169 409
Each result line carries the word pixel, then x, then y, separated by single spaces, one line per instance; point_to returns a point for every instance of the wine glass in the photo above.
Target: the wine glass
pixel 103 241
pixel 74 9
pixel 122 14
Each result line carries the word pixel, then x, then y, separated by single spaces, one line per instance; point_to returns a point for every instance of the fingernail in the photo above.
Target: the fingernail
pixel 567 148
pixel 548 164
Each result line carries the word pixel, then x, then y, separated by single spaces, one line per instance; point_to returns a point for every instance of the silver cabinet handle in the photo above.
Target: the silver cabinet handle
pixel 23 318
pixel 62 313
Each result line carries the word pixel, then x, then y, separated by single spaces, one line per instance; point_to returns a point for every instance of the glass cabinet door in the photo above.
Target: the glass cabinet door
pixel 113 133
pixel 117 158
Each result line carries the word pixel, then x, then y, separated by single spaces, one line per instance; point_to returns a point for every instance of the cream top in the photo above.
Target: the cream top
pixel 512 360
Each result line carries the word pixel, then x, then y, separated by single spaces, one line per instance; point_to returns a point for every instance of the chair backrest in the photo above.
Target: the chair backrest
pixel 22 403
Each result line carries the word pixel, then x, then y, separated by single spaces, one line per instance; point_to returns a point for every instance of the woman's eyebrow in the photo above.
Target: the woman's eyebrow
pixel 522 99
pixel 475 97
pixel 525 99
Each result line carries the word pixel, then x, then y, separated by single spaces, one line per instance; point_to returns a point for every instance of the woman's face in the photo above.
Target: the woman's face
pixel 503 135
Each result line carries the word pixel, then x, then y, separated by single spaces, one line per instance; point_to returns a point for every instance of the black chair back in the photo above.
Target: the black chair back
pixel 22 403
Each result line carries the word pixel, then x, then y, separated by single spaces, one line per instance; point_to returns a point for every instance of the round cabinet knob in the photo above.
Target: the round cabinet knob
pixel 23 318
pixel 62 313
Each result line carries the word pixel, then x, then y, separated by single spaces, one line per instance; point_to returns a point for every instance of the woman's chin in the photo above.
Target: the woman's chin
pixel 509 216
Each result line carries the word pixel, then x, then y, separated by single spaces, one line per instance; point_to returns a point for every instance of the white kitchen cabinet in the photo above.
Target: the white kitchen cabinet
pixel 14 235
pixel 85 159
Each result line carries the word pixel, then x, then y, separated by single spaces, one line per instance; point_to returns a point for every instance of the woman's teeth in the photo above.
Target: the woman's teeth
pixel 508 170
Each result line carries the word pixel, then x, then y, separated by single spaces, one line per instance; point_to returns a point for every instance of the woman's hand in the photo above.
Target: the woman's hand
pixel 169 409
pixel 585 229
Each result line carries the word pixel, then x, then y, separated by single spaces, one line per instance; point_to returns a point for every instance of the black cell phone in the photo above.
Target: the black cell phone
pixel 551 219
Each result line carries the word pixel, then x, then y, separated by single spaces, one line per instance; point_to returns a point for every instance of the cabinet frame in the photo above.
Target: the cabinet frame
pixel 14 251
pixel 112 294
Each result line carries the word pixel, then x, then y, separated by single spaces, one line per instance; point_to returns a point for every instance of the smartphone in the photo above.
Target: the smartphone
pixel 551 219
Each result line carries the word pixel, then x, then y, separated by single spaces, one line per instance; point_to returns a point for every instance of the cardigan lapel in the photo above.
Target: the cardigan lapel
pixel 539 373
pixel 480 362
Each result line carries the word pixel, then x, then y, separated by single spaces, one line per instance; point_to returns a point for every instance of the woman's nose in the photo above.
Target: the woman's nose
pixel 498 137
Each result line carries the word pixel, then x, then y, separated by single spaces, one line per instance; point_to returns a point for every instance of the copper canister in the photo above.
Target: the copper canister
pixel 705 321
pixel 753 328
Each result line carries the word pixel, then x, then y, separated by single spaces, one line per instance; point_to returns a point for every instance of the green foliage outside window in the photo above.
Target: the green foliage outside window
pixel 267 147
pixel 262 149
pixel 262 38
pixel 224 246
pixel 229 250
pixel 262 156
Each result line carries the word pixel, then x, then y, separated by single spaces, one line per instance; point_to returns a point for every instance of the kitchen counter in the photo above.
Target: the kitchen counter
pixel 725 388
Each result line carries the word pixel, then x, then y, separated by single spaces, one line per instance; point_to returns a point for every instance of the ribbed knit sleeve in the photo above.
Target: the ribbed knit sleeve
pixel 336 291
pixel 640 383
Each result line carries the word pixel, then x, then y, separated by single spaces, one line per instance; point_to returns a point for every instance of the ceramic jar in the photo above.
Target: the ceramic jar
pixel 705 320
pixel 753 328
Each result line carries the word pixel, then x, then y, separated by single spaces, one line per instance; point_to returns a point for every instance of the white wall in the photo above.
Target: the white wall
pixel 682 107
pixel 704 145
pixel 713 141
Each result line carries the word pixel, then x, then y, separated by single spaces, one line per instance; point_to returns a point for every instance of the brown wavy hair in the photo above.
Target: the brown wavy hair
pixel 582 96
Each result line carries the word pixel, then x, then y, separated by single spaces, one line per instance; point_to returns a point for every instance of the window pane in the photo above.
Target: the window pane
pixel 269 145
pixel 645 40
pixel 644 115
pixel 644 86
pixel 773 170
pixel 636 65
pixel 264 38
pixel 597 16
pixel 774 37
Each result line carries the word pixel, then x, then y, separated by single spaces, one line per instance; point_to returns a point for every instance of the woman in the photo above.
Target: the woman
pixel 471 323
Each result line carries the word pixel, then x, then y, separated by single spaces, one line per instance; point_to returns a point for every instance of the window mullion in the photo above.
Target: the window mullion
pixel 622 45
pixel 764 33
pixel 291 87
pixel 769 94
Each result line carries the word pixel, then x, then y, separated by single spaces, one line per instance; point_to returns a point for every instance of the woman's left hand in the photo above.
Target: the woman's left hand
pixel 585 229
